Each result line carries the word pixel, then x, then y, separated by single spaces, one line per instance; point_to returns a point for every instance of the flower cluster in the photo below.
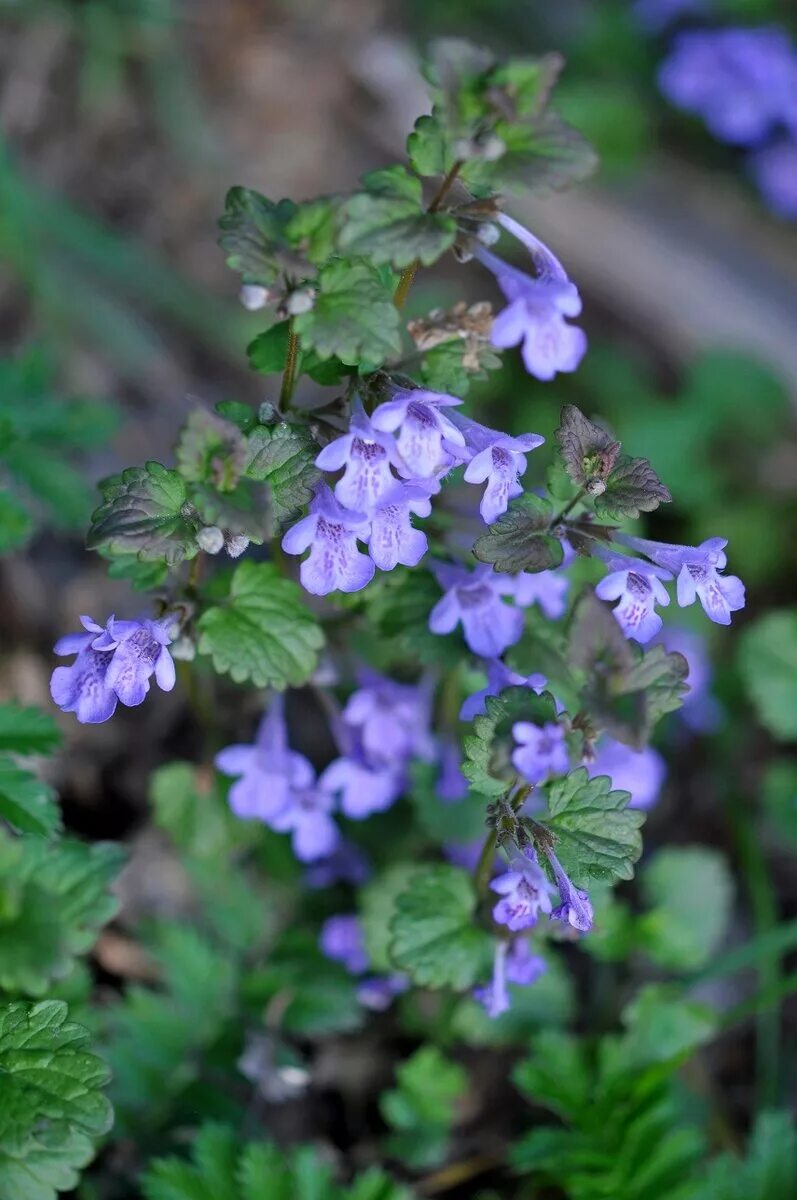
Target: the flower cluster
pixel 743 83
pixel 342 941
pixel 636 584
pixel 114 663
pixel 382 728
pixel 393 461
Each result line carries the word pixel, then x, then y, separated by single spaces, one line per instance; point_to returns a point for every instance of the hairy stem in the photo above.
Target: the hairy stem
pixel 568 508
pixel 484 866
pixel 289 374
pixel 408 274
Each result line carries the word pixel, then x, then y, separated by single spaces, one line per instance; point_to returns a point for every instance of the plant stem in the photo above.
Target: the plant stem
pixel 408 274
pixel 289 374
pixel 484 866
pixel 568 508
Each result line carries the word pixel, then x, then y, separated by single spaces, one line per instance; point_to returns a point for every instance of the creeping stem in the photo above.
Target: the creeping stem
pixel 408 274
pixel 568 508
pixel 289 373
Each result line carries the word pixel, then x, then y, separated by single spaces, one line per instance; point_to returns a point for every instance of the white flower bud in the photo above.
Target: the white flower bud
pixel 236 543
pixel 253 297
pixel 267 414
pixel 488 234
pixel 300 301
pixel 210 539
pixel 493 148
pixel 183 649
pixel 595 487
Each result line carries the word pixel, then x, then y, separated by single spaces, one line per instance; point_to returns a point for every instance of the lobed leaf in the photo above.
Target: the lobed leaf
pixel 598 834
pixel 388 223
pixel 433 935
pixel 144 512
pixel 283 456
pixel 518 540
pixel 353 318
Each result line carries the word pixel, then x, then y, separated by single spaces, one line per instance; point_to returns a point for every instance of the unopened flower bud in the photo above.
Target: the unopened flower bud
pixel 493 148
pixel 267 414
pixel 253 296
pixel 183 649
pixel 595 487
pixel 210 539
pixel 235 544
pixel 488 234
pixel 300 301
pixel 463 148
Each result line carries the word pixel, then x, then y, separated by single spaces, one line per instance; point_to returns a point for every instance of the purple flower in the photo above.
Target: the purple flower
pixel 427 440
pixel 113 663
pixel 392 539
pixel 498 460
pixel 542 750
pixel 537 308
pixel 270 772
pixel 524 892
pixel 474 599
pixel 637 587
pixel 546 588
pixel 342 940
pixel 774 169
pixel 391 719
pixel 574 906
pixel 523 966
pixel 465 854
pixel 330 532
pixel 452 786
pixel 82 688
pixel 363 789
pixel 740 81
pixel 367 455
pixel 494 997
pixel 306 817
pixel 640 772
pixel 378 991
pixel 700 710
pixel 499 677
pixel 697 572
pixel 346 864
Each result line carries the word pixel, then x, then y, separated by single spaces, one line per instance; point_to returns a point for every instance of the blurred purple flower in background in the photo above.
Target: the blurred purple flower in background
pixel 774 169
pixel 362 788
pixel 499 677
pixel 341 940
pixel 640 772
pixel 700 710
pixel 392 719
pixel 548 589
pixel 740 81
pixel 541 751
pixel 475 598
pixel 452 786
pixel 656 15
pixel 269 770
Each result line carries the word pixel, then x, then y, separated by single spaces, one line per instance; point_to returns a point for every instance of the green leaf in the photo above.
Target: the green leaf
pixel 452 366
pixel 222 1167
pixel 633 487
pixel 283 456
pixel 488 748
pixel 689 890
pixel 598 834
pixel 189 806
pixel 254 236
pixel 663 1025
pixel 517 541
pixel 263 632
pixel 397 604
pixel 142 576
pixel 243 511
pixel 267 353
pixel 26 803
pixel 588 452
pixel 144 512
pixel 317 997
pixel 157 1039
pixel 769 1171
pixel 211 450
pixel 353 317
pixel 387 223
pixel 423 1107
pixel 54 898
pixel 433 935
pixel 51 1107
pixel 313 228
pixel 16 524
pixel 768 662
pixel 625 691
pixel 377 902
pixel 27 730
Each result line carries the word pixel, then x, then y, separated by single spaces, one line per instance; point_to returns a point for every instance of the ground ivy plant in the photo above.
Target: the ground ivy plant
pixel 467 620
